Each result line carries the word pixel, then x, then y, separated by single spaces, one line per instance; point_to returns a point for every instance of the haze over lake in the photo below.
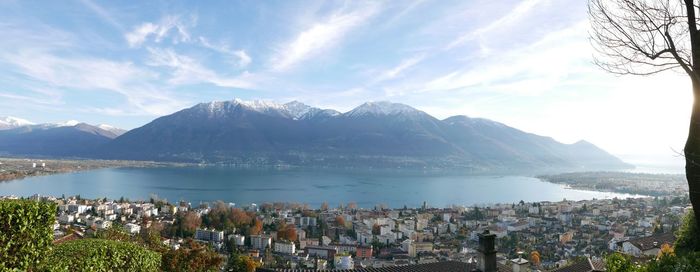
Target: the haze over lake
pixel 244 186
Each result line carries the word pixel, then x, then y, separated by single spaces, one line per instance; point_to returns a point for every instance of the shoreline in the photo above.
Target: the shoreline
pixel 12 169
pixel 652 185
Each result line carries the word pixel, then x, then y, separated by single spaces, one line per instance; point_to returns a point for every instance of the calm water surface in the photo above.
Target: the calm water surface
pixel 243 186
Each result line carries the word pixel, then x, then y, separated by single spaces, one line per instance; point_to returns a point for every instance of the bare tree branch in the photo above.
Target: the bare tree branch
pixel 639 37
pixel 644 37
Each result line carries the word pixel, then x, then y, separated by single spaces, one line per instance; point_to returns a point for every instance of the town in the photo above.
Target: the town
pixel 277 236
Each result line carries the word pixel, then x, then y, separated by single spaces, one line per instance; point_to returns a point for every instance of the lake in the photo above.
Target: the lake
pixel 244 186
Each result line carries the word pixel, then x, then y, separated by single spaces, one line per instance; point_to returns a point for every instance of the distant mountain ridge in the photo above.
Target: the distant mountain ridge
pixel 9 122
pixel 374 134
pixel 67 139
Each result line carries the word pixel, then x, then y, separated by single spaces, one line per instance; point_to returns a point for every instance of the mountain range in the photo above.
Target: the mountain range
pixel 374 134
pixel 68 139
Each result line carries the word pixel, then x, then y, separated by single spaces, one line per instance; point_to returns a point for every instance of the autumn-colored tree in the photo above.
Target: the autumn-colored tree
pixel 291 233
pixel 219 217
pixel 340 221
pixel 241 218
pixel 295 206
pixel 309 213
pixel 256 228
pixel 191 256
pixel 185 224
pixel 376 229
pixel 240 263
pixel 286 232
pixel 281 230
pixel 266 207
pixel 535 258
pixel 666 249
pixel 191 221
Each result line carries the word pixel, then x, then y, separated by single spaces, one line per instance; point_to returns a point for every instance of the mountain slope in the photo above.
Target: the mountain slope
pixel 375 134
pixel 9 122
pixel 70 139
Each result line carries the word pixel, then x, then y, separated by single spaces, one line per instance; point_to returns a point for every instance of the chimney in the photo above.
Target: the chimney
pixel 520 264
pixel 487 252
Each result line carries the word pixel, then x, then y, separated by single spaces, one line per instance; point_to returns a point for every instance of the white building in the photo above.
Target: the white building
pixel 285 247
pixel 103 224
pixel 385 229
pixel 649 246
pixel 238 240
pixel 408 246
pixel 168 209
pixel 446 217
pixel 132 228
pixel 519 226
pixel 66 218
pixel 260 241
pixel 325 240
pixel 78 208
pixel 209 235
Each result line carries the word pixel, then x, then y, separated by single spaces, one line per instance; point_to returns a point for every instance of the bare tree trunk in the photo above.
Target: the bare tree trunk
pixel 692 144
pixel 692 154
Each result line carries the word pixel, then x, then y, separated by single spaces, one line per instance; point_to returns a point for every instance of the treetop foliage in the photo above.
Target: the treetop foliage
pixel 687 236
pixel 25 232
pixel 100 255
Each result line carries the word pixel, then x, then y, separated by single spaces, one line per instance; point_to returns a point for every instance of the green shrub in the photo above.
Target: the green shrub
pixel 689 262
pixel 100 255
pixel 665 263
pixel 25 232
pixel 620 263
pixel 687 237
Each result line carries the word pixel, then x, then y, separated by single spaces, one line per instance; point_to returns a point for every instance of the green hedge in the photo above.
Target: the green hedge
pixel 100 255
pixel 688 235
pixel 26 232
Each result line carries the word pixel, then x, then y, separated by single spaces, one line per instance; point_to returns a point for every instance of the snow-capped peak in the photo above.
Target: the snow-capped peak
pixel 14 121
pixel 105 127
pixel 381 108
pixel 69 123
pixel 293 110
pixel 117 131
pixel 297 109
pixel 259 105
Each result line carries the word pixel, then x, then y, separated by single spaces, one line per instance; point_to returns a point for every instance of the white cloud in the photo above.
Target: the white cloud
pixel 516 14
pixel 407 9
pixel 242 58
pixel 187 70
pixel 103 14
pixel 94 74
pixel 31 99
pixel 400 68
pixel 160 31
pixel 529 70
pixel 320 36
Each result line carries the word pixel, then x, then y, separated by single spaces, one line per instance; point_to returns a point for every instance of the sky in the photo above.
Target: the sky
pixel 525 63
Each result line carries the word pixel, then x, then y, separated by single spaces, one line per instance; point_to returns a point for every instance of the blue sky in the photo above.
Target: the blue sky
pixel 526 63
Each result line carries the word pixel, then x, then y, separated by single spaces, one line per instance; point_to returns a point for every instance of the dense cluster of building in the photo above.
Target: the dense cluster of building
pixel 344 238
